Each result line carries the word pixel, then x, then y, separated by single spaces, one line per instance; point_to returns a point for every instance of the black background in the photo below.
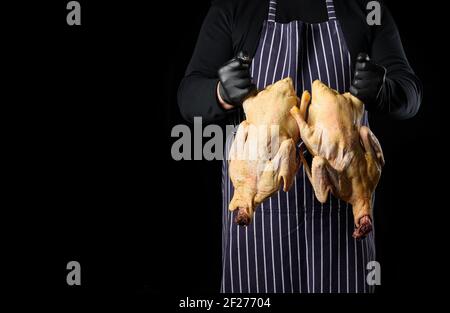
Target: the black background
pixel 96 105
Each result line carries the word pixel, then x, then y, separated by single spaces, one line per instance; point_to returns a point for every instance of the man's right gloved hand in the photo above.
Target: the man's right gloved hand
pixel 235 81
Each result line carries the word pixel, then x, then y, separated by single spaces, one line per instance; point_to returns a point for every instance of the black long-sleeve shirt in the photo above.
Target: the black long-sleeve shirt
pixel 234 25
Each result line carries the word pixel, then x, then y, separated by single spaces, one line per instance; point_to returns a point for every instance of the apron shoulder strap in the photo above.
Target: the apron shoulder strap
pixel 272 11
pixel 330 10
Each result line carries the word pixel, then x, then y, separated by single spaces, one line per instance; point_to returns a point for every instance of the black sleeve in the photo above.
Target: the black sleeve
pixel 197 90
pixel 402 92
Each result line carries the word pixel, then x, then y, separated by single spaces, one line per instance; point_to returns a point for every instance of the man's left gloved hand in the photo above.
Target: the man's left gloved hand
pixel 368 81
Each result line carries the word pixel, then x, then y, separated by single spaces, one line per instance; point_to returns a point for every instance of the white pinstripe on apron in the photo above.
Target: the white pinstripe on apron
pixel 295 243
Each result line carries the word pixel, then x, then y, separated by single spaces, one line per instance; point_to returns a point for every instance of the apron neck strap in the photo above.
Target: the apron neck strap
pixel 330 10
pixel 273 10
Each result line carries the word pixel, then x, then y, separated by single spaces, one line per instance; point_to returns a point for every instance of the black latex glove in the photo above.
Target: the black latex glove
pixel 235 80
pixel 368 81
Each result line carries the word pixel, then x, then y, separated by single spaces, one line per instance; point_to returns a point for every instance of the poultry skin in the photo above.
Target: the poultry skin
pixel 263 153
pixel 347 157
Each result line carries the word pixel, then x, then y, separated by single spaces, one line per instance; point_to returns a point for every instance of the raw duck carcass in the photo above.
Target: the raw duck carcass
pixel 263 153
pixel 347 157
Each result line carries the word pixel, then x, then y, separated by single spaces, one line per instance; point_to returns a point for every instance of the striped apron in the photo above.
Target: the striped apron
pixel 295 243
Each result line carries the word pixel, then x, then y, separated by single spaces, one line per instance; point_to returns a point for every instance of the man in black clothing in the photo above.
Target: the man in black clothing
pixel 295 244
pixel 232 25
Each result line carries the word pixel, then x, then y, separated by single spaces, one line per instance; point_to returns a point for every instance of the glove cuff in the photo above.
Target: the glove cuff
pixel 222 97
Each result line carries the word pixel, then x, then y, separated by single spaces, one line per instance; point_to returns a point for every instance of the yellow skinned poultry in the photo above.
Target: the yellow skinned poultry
pixel 347 157
pixel 263 153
